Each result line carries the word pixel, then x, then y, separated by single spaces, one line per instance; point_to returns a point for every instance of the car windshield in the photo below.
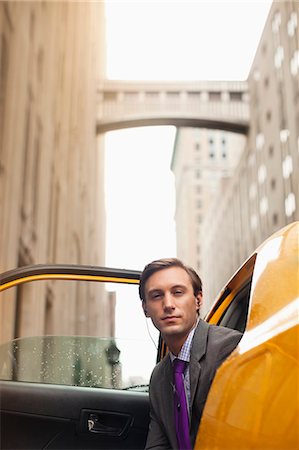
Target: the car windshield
pixel 93 335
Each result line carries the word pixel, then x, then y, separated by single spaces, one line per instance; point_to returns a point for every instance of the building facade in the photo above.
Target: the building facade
pixel 262 195
pixel 202 160
pixel 51 161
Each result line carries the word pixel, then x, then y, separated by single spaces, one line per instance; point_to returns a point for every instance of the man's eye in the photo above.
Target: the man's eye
pixel 157 295
pixel 178 292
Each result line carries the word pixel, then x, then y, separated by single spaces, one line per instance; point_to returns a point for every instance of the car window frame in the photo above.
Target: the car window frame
pixel 26 274
pixel 241 282
pixel 72 272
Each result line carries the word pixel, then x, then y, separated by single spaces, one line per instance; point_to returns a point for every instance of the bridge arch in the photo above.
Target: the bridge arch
pixel 213 105
pixel 240 128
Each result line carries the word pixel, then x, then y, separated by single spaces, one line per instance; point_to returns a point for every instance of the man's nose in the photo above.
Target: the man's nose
pixel 168 301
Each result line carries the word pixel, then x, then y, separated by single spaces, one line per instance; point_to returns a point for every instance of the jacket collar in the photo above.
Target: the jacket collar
pixel 198 350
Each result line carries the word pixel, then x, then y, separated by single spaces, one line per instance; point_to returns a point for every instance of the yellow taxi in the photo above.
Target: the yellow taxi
pixel 254 399
pixel 69 379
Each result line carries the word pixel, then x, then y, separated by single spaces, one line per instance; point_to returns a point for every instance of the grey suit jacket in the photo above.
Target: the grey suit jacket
pixel 210 346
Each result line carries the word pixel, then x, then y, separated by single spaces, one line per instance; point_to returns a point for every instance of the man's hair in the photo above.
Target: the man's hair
pixel 166 263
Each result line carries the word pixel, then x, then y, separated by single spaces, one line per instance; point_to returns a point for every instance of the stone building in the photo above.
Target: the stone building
pixel 202 160
pixel 262 195
pixel 51 161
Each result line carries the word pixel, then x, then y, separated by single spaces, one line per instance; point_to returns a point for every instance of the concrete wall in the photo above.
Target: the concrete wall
pixel 51 162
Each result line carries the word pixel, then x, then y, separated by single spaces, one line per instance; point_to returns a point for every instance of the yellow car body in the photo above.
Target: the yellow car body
pixel 253 401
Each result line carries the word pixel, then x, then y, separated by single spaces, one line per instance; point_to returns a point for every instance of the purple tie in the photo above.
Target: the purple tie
pixel 181 415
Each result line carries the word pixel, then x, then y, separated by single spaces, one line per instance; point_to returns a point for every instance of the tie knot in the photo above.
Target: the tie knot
pixel 179 365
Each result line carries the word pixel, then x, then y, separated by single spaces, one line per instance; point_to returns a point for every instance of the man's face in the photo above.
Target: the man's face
pixel 170 302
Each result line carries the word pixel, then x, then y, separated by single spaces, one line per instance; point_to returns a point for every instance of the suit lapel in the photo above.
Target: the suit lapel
pixel 167 388
pixel 198 350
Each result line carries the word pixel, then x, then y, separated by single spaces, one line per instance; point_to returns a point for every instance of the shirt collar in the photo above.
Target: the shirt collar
pixel 184 353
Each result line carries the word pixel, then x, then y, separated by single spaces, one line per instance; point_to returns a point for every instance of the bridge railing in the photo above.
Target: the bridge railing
pixel 126 100
pixel 230 110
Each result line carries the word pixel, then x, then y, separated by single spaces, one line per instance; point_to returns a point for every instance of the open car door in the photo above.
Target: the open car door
pixel 72 376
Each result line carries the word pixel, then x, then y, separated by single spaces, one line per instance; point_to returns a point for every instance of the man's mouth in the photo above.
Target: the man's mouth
pixel 167 318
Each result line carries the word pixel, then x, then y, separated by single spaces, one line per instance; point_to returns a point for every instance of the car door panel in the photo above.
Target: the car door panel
pixel 56 417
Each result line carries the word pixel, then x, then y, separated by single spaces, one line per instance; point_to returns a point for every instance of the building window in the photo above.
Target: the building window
pixel 197 146
pixel 256 75
pixel 290 204
pixel 235 96
pixel 292 24
pixel 266 82
pixel 279 57
pixel 276 22
pixel 287 167
pixel 284 135
pixel 197 174
pixel 198 203
pixel 215 96
pixel 273 184
pixel 264 49
pixel 271 150
pixel 275 219
pixel 194 95
pixel 211 147
pixel 268 115
pixel 294 63
pixel 263 205
pixel 224 147
pixel 173 95
pixel 110 96
pixel 259 141
pixel 262 174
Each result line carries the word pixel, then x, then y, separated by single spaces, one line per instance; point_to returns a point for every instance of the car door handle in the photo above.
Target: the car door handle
pixel 95 426
pixel 105 422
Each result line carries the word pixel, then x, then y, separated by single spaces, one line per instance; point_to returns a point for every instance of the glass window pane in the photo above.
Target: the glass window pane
pixel 79 333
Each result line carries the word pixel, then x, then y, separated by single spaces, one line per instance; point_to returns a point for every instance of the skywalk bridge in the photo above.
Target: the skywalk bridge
pixel 220 105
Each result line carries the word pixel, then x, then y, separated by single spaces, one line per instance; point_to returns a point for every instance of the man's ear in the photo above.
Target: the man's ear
pixel 144 309
pixel 198 299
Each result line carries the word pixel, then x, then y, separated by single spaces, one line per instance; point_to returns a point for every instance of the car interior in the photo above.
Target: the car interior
pixel 235 316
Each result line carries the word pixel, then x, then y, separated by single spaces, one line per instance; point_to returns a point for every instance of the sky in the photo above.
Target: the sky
pixel 183 40
pixel 140 202
pixel 163 40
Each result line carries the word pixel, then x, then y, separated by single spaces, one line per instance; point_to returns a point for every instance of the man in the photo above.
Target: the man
pixel 171 295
